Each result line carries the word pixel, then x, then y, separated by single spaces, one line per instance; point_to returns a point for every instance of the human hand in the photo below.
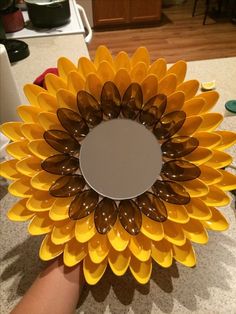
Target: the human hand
pixel 56 290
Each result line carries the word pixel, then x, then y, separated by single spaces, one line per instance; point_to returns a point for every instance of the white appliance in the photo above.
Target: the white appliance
pixel 75 26
pixel 8 90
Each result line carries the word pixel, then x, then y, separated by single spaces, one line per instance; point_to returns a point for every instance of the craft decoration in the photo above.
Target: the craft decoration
pixel 159 224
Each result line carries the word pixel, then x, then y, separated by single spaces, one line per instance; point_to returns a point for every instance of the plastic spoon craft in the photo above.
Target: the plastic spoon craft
pixel 156 226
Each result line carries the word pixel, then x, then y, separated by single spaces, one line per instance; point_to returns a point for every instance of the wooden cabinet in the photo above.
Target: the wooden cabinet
pixel 112 13
pixel 144 11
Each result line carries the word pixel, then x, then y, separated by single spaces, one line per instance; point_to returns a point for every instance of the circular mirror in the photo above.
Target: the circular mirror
pixel 120 159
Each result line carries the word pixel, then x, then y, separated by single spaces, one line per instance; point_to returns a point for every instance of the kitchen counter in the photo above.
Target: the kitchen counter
pixel 208 288
pixel 44 52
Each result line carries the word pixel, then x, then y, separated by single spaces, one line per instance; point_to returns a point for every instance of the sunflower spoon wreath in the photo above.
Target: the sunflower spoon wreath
pixel 159 224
